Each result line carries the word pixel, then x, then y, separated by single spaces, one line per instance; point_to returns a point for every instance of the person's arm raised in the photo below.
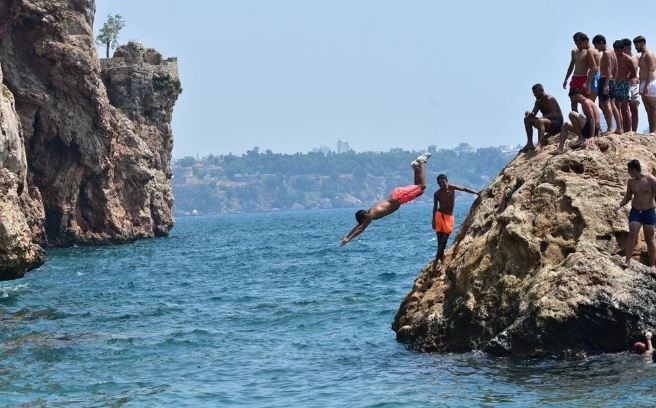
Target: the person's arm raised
pixel 569 70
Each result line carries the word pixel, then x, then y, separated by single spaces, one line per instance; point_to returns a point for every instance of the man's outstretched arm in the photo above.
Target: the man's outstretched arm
pixel 627 197
pixel 465 189
pixel 355 232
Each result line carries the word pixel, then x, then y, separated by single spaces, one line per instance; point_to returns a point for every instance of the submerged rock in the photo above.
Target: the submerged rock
pixel 95 170
pixel 536 262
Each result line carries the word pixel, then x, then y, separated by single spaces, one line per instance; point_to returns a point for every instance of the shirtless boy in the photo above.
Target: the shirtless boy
pixel 399 196
pixel 640 190
pixel 584 65
pixel 443 202
pixel 607 70
pixel 647 65
pixel 634 90
pixel 550 122
pixel 621 92
pixel 585 127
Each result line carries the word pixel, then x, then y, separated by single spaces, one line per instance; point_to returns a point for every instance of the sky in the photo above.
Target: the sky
pixel 292 75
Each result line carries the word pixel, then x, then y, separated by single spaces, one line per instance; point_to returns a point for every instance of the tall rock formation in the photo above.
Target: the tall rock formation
pixel 94 176
pixel 536 263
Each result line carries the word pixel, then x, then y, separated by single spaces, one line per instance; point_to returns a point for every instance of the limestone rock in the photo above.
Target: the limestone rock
pixel 94 174
pixel 18 251
pixel 536 262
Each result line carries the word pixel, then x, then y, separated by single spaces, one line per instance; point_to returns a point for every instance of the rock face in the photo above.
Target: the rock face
pixel 94 174
pixel 18 252
pixel 536 262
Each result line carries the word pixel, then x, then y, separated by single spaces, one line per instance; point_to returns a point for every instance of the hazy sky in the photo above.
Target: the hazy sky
pixel 291 75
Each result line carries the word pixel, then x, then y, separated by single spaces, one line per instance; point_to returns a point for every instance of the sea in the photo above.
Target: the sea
pixel 265 310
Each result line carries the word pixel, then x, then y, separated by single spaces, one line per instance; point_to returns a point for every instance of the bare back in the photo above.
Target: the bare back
pixel 624 65
pixel 548 106
pixel 634 60
pixel 446 198
pixel 647 64
pixel 644 191
pixel 383 208
pixel 606 65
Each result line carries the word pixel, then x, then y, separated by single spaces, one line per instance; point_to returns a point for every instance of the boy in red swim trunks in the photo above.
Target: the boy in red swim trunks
pixel 443 203
pixel 399 196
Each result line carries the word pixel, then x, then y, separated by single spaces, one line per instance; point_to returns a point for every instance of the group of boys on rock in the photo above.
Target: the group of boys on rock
pixel 617 77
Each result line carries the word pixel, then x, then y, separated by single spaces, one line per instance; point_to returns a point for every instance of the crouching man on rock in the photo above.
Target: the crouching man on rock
pixel 640 190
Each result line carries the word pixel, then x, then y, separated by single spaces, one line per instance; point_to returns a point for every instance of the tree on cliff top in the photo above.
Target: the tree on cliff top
pixel 108 35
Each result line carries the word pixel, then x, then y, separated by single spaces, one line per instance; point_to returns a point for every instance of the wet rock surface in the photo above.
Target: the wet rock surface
pixel 536 263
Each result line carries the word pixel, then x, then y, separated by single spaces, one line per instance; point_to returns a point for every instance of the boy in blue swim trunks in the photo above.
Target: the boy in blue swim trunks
pixel 641 191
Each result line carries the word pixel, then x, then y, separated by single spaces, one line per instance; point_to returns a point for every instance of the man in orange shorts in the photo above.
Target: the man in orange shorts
pixel 443 203
pixel 399 196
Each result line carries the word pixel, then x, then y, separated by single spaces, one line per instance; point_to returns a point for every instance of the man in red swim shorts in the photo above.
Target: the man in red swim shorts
pixel 443 203
pixel 399 196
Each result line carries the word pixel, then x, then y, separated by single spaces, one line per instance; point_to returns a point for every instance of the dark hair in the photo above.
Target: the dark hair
pixel 574 92
pixel 442 176
pixel 599 39
pixel 618 45
pixel 580 37
pixel 634 164
pixel 359 216
pixel 640 39
pixel 626 42
pixel 536 86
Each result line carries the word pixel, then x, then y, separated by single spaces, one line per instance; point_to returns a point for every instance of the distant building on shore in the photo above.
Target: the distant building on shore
pixel 343 147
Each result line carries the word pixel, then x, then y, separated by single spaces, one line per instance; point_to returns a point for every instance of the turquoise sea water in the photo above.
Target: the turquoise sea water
pixel 264 310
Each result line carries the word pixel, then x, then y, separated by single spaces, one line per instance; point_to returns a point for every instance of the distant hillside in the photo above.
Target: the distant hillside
pixel 271 182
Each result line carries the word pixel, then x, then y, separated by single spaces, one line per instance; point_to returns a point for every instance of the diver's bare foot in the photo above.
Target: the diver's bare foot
pixel 625 264
pixel 652 270
pixel 619 132
pixel 527 148
pixel 578 143
pixel 557 152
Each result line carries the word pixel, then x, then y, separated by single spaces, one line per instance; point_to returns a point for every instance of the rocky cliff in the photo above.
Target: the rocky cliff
pixel 95 173
pixel 535 265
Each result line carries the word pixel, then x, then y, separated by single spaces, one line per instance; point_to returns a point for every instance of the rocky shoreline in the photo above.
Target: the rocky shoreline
pixel 536 263
pixel 85 150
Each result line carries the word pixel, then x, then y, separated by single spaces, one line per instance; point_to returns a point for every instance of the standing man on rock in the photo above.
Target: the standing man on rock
pixel 398 197
pixel 584 65
pixel 647 65
pixel 623 83
pixel 634 90
pixel 443 202
pixel 608 68
pixel 550 122
pixel 641 191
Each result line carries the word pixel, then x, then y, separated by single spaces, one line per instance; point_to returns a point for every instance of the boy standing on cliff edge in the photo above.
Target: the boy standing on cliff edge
pixel 641 191
pixel 443 203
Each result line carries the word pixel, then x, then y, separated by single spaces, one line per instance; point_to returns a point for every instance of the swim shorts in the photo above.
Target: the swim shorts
pixel 594 84
pixel 621 90
pixel 406 194
pixel 555 126
pixel 646 217
pixel 651 89
pixel 602 96
pixel 443 222
pixel 634 93
pixel 578 82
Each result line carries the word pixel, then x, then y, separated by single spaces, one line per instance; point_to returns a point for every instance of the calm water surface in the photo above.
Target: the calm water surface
pixel 263 310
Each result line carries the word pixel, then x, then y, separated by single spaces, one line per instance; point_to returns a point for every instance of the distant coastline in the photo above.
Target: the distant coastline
pixel 269 182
